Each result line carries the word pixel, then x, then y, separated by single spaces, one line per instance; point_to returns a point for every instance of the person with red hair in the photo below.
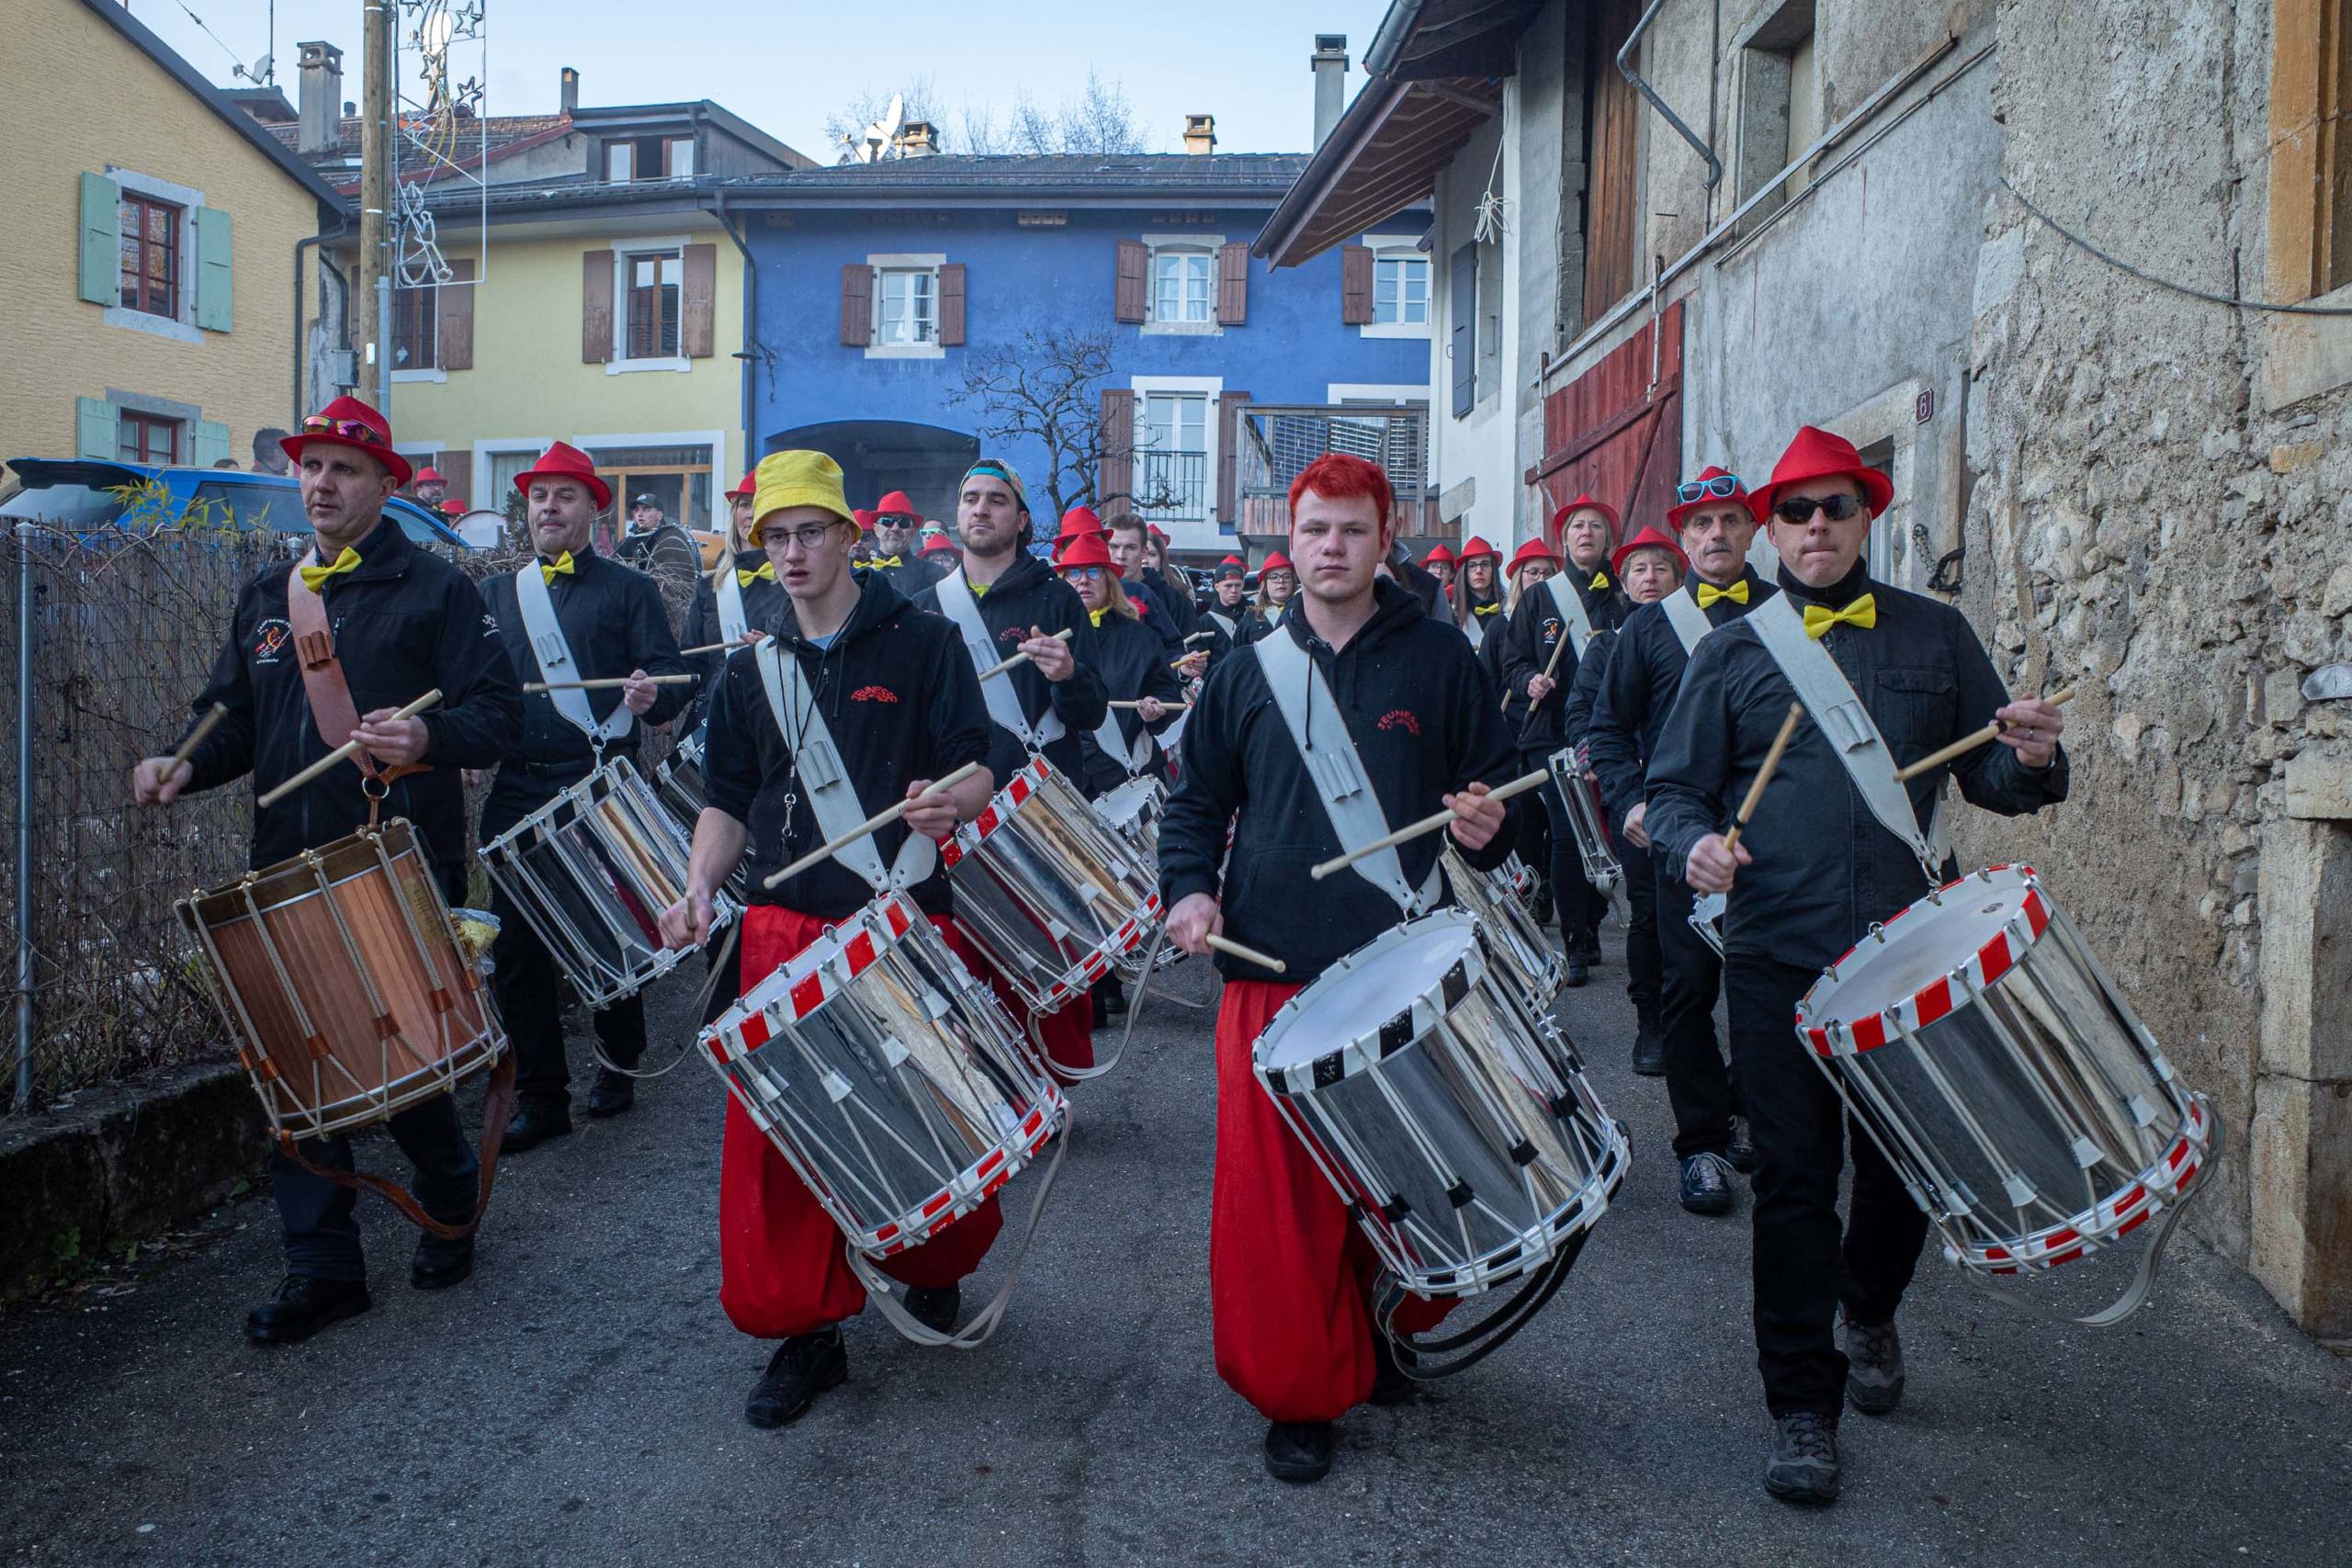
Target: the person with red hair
pixel 1290 1277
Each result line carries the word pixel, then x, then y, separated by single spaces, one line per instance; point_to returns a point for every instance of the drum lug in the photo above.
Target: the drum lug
pixel 1878 933
pixel 1460 1195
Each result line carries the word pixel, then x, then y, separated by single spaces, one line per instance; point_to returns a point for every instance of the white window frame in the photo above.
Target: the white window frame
pixel 624 251
pixel 1402 247
pixel 905 261
pixel 182 327
pixel 485 476
pixel 1186 533
pixel 1153 245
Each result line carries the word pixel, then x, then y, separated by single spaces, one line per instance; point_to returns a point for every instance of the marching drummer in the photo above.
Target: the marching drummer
pixel 896 523
pixel 1475 599
pixel 1838 843
pixel 1222 618
pixel 403 622
pixel 1636 691
pixel 1006 601
pixel 896 702
pixel 610 621
pixel 1289 1273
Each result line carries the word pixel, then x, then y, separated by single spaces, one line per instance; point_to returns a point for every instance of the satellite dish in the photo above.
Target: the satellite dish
pixel 877 135
pixel 257 72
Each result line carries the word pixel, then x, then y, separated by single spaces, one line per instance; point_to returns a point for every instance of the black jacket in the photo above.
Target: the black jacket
pixel 912 575
pixel 1175 598
pixel 1600 657
pixel 901 702
pixel 766 608
pixel 613 622
pixel 1027 595
pixel 1425 725
pixel 1637 692
pixel 404 622
pixel 1511 705
pixel 1824 868
pixel 670 558
pixel 1536 629
pixel 1254 623
pixel 1419 580
pixel 1134 664
pixel 1219 642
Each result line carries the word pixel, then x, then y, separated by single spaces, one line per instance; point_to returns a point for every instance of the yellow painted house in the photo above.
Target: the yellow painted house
pixel 148 261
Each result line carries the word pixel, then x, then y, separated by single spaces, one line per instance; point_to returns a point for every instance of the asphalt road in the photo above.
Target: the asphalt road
pixel 579 1401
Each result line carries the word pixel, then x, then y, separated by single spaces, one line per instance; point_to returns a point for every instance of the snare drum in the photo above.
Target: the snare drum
pixel 1573 777
pixel 339 975
pixel 1133 811
pixel 1533 965
pixel 1707 919
pixel 1514 877
pixel 592 870
pixel 681 794
pixel 1457 1125
pixel 2029 1113
pixel 888 1075
pixel 1050 896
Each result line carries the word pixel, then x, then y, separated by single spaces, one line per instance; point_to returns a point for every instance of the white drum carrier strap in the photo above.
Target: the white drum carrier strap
pixel 1004 703
pixel 732 621
pixel 1474 629
pixel 1135 758
pixel 1828 697
pixel 1332 763
pixel 555 664
pixel 1689 621
pixel 832 799
pixel 1572 610
pixel 1224 624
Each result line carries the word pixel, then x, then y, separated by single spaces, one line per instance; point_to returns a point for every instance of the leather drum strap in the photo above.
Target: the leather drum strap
pixel 497 1106
pixel 332 711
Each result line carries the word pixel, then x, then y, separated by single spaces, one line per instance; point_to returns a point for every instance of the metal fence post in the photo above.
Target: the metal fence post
pixel 24 816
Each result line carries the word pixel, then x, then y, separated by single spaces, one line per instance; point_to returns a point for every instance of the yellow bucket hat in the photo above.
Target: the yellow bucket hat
pixel 797 478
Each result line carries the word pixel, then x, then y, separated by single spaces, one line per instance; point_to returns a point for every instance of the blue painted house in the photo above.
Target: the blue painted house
pixel 877 287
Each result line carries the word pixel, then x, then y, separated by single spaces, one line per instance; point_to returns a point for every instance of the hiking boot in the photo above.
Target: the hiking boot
pixel 1874 1368
pixel 1802 1465
pixel 303 1306
pixel 1299 1451
pixel 802 1368
pixel 1649 1052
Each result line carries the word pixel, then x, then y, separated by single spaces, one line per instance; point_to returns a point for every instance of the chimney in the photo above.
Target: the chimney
pixel 1200 134
pixel 570 91
pixel 1331 65
pixel 318 93
pixel 916 140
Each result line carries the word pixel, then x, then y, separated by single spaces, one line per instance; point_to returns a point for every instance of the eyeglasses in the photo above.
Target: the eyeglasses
pixel 1837 508
pixel 1085 572
pixel 1722 487
pixel 343 429
pixel 809 536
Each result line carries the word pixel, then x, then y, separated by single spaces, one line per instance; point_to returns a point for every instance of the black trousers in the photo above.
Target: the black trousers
pixel 319 1217
pixel 1580 905
pixel 1698 1085
pixel 1644 965
pixel 1804 1269
pixel 531 995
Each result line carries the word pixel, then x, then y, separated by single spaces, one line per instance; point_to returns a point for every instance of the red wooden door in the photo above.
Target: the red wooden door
pixel 1615 431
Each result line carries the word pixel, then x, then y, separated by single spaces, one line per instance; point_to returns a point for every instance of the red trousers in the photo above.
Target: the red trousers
pixel 781 1270
pixel 1290 1275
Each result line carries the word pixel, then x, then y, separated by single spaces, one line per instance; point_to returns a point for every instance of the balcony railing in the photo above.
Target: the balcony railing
pixel 1173 487
pixel 1276 442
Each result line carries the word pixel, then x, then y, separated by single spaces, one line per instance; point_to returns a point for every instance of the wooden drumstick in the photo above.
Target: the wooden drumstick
pixel 718 647
pixel 1201 637
pixel 605 684
pixel 1428 824
pixel 341 751
pixel 878 820
pixel 1764 773
pixel 1967 743
pixel 1118 704
pixel 1549 665
pixel 1247 954
pixel 1001 665
pixel 204 726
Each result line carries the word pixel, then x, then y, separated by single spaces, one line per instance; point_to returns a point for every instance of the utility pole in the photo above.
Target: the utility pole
pixel 371 336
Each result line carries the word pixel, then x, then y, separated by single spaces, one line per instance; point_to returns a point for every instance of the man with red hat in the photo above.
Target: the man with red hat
pixel 401 622
pixel 1678 1031
pixel 892 551
pixel 428 489
pixel 569 614
pixel 1837 844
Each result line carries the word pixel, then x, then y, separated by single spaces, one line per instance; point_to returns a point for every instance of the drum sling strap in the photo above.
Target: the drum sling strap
pixel 832 799
pixel 733 620
pixel 955 601
pixel 1689 621
pixel 1572 611
pixel 1116 746
pixel 557 665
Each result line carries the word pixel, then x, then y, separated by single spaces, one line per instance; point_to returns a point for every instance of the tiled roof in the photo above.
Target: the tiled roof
pixel 503 131
pixel 1174 171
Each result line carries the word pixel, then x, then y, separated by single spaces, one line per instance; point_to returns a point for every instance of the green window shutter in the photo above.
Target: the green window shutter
pixel 101 242
pixel 208 443
pixel 213 294
pixel 94 429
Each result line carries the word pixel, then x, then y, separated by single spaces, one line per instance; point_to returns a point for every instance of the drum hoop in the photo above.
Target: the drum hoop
pixel 1948 992
pixel 616 773
pixel 307 870
pixel 1391 1035
pixel 886 922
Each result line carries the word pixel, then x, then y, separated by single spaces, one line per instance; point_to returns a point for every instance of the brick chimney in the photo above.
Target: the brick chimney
pixel 570 90
pixel 318 95
pixel 1200 134
pixel 1331 65
pixel 916 139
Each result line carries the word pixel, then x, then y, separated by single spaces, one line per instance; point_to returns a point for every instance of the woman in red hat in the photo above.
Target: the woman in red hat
pixel 1477 596
pixel 1438 563
pixel 1277 581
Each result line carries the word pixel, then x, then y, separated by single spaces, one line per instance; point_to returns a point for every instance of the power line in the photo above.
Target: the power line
pixel 2145 275
pixel 192 17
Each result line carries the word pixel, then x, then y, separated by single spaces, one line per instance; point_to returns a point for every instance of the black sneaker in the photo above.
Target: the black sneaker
pixel 935 1309
pixel 1542 912
pixel 1391 1384
pixel 1705 1187
pixel 1578 972
pixel 1803 1466
pixel 1742 1152
pixel 1299 1451
pixel 534 1125
pixel 615 1094
pixel 1874 1368
pixel 1649 1052
pixel 802 1368
pixel 302 1306
pixel 441 1262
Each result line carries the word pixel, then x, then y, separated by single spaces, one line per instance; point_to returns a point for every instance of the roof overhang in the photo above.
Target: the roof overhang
pixel 1382 158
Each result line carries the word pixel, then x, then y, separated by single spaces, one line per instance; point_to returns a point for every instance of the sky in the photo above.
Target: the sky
pixel 786 67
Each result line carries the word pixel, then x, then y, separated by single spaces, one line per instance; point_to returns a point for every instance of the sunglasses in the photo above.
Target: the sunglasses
pixel 1837 508
pixel 343 429
pixel 1722 487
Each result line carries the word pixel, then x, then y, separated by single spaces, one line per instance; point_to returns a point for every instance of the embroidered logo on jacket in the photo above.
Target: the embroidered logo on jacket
pixel 1012 634
pixel 874 695
pixel 1400 718
pixel 271 641
pixel 1552 624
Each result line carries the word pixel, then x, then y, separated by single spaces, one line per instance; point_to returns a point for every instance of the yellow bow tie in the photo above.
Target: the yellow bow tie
pixel 877 563
pixel 1737 595
pixel 1096 615
pixel 314 575
pixel 1862 611
pixel 766 573
pixel 1599 581
pixel 562 564
pixel 1484 609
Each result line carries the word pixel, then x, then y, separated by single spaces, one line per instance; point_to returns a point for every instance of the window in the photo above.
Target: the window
pixel 415 341
pixel 1779 106
pixel 1612 155
pixel 1172 459
pixel 1400 290
pixel 148 438
pixel 906 308
pixel 677 477
pixel 656 280
pixel 649 158
pixel 151 255
pixel 1183 287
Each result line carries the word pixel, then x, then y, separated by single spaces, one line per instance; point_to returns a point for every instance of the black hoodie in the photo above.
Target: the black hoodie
pixel 902 703
pixel 1637 691
pixel 404 622
pixel 1134 663
pixel 1536 629
pixel 1426 724
pixel 1027 595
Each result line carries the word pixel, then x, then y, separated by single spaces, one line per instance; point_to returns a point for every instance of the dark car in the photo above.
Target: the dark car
pixel 92 496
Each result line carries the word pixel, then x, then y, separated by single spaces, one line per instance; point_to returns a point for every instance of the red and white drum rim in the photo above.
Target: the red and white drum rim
pixel 2000 952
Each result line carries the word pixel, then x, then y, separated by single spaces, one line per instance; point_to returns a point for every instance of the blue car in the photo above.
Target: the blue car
pixel 90 497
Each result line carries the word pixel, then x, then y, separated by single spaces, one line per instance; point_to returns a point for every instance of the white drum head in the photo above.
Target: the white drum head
pixel 1925 942
pixel 1367 988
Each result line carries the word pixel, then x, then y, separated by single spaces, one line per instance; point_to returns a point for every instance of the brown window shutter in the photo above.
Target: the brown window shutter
pixel 1115 476
pixel 456 465
pixel 455 304
pixel 1128 298
pixel 1232 285
pixel 697 322
pixel 857 304
pixel 1228 454
pixel 951 305
pixel 596 307
pixel 1356 286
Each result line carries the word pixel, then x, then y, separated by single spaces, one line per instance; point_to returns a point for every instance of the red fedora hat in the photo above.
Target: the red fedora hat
pixel 1088 549
pixel 1275 562
pixel 1816 454
pixel 940 545
pixel 1078 522
pixel 1582 503
pixel 1647 539
pixel 1534 549
pixel 564 461
pixel 1439 555
pixel 896 504
pixel 429 474
pixel 1474 546
pixel 748 486
pixel 347 422
pixel 1712 478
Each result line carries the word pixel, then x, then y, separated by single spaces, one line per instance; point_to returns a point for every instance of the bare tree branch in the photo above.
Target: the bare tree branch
pixel 1045 391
